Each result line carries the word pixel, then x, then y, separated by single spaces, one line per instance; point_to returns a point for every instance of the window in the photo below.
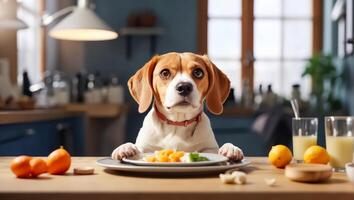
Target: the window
pixel 29 41
pixel 224 38
pixel 280 41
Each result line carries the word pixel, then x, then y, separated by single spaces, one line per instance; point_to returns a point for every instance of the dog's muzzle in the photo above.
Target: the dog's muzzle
pixel 184 88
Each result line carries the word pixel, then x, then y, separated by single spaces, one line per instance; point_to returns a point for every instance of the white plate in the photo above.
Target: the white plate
pixel 212 160
pixel 111 164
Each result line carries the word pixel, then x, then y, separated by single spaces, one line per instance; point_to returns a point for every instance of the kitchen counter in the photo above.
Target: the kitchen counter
pixel 24 116
pixel 115 185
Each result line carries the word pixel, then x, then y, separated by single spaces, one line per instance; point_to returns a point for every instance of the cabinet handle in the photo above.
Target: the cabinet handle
pixel 30 132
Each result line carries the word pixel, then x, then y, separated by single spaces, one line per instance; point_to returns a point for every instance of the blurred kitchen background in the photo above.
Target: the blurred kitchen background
pixel 60 87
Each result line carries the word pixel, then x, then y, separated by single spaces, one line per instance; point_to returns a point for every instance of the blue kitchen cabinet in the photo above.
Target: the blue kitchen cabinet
pixel 237 130
pixel 41 138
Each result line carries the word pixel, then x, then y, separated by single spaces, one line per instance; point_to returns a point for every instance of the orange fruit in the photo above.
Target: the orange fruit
pixel 38 166
pixel 21 167
pixel 280 156
pixel 316 154
pixel 59 161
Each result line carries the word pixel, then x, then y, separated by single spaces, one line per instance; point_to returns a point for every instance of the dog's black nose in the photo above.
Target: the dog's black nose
pixel 184 88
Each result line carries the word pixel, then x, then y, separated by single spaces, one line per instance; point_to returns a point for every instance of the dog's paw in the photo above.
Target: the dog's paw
pixel 231 151
pixel 124 151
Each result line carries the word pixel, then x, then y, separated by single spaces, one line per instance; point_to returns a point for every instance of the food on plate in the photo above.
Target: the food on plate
pixel 316 155
pixel 235 177
pixel 166 155
pixel 280 156
pixel 38 166
pixel 169 155
pixel 21 167
pixel 59 161
pixel 194 157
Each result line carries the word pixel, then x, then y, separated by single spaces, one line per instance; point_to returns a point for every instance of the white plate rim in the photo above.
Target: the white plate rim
pixel 220 159
pixel 120 166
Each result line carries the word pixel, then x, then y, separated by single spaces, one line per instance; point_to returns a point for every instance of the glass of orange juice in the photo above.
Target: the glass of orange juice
pixel 304 135
pixel 339 140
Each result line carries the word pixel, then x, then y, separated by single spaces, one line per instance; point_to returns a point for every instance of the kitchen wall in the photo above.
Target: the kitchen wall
pixel 330 45
pixel 177 17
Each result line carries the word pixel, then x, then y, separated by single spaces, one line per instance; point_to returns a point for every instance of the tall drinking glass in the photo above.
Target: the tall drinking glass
pixel 304 135
pixel 339 140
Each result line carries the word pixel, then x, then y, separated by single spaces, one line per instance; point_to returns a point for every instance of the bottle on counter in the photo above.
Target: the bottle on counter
pixel 295 92
pixel 26 84
pixel 115 92
pixel 45 98
pixel 61 89
pixel 93 93
pixel 259 96
pixel 269 98
pixel 78 88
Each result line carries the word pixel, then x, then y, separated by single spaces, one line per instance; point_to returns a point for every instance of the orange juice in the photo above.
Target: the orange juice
pixel 300 144
pixel 340 149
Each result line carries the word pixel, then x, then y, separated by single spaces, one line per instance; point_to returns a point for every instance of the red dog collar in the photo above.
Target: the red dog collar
pixel 162 117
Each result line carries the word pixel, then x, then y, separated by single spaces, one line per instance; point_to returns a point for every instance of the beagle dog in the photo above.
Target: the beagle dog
pixel 178 83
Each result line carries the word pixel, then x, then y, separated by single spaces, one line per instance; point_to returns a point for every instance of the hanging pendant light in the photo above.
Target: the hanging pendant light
pixel 82 25
pixel 8 18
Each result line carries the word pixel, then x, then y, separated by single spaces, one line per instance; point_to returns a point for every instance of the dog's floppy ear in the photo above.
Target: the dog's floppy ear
pixel 219 88
pixel 140 85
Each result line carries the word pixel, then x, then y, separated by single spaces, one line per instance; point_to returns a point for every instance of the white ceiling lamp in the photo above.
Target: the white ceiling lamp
pixel 8 18
pixel 81 25
pixel 12 24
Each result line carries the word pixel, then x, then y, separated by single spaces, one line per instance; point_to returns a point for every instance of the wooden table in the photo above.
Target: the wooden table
pixel 109 185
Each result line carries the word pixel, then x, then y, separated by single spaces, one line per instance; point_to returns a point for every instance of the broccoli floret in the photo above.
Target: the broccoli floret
pixel 195 157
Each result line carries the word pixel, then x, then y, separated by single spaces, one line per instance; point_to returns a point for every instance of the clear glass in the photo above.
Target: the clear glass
pixel 297 39
pixel 304 135
pixel 267 38
pixel 224 8
pixel 339 140
pixel 224 38
pixel 268 8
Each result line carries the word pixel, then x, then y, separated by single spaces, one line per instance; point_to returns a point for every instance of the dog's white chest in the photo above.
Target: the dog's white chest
pixel 179 138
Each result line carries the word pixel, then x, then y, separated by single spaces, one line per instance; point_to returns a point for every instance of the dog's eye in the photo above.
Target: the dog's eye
pixel 165 74
pixel 198 73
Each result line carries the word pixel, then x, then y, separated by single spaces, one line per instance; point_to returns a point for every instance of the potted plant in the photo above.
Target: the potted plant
pixel 325 83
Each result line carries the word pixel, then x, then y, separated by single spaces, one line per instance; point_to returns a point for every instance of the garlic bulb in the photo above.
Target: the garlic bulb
pixel 240 177
pixel 227 178
pixel 235 177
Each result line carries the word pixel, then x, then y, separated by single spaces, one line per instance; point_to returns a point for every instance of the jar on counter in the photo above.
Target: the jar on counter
pixel 93 93
pixel 61 89
pixel 115 92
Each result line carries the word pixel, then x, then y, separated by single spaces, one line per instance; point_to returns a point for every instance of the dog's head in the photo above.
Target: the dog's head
pixel 180 82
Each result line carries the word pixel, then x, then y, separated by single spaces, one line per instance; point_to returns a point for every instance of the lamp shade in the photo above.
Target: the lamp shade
pixel 82 25
pixel 12 24
pixel 8 16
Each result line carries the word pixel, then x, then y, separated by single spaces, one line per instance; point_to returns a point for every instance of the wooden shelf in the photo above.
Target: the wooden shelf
pixel 142 31
pixel 151 32
pixel 27 116
pixel 98 110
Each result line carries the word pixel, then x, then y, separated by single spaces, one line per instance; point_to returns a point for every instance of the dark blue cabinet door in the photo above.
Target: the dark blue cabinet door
pixel 237 130
pixel 40 138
